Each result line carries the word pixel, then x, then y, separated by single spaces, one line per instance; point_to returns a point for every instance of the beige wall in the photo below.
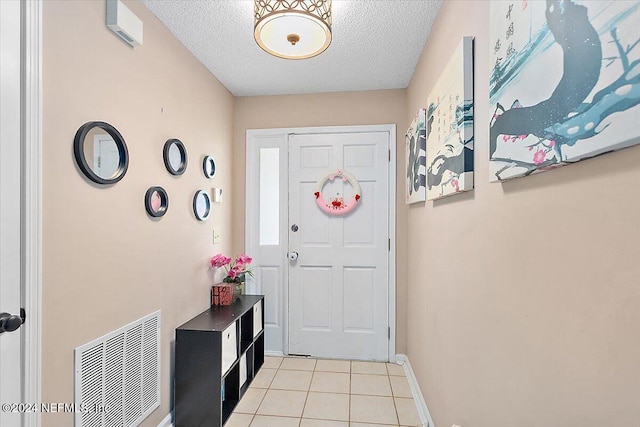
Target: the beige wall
pixel 327 109
pixel 105 263
pixel 524 303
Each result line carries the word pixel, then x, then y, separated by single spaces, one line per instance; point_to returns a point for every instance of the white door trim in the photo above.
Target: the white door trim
pixel 252 134
pixel 32 232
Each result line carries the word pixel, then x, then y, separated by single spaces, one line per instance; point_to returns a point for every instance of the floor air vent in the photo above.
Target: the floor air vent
pixel 117 376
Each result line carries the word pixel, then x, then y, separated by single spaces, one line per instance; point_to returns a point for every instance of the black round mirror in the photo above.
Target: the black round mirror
pixel 209 166
pixel 100 152
pixel 175 156
pixel 201 205
pixel 156 201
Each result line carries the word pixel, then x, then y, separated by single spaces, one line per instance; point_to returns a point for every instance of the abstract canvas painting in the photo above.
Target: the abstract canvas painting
pixel 564 82
pixel 450 126
pixel 416 158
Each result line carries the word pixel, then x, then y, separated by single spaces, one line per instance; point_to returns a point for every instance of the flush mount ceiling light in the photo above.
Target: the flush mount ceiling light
pixel 293 29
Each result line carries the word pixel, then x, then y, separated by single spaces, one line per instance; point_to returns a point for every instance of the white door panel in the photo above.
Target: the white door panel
pixel 338 286
pixel 10 211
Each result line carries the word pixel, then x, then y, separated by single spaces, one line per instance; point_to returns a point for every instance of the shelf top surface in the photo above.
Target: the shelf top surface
pixel 218 318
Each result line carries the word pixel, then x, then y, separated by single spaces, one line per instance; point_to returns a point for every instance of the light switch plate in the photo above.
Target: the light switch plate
pixel 216 237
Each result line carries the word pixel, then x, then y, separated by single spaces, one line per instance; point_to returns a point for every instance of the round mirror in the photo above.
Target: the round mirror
pixel 156 201
pixel 100 152
pixel 175 156
pixel 209 166
pixel 201 205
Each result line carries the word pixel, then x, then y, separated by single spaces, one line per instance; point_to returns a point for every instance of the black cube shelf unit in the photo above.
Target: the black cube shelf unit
pixel 218 353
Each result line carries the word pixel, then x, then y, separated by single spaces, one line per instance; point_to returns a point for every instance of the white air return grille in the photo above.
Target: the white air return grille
pixel 117 376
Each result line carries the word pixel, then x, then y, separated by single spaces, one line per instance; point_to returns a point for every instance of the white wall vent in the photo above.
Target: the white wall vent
pixel 122 21
pixel 117 376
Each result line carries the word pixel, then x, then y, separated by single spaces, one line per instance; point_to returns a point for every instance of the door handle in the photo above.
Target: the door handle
pixel 292 256
pixel 11 322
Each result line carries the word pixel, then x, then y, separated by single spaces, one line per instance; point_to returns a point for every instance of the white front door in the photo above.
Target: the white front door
pixel 339 284
pixel 106 156
pixel 10 212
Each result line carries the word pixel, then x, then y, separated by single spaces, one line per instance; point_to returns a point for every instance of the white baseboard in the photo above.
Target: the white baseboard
pixel 273 353
pixel 421 405
pixel 166 422
pixel 401 359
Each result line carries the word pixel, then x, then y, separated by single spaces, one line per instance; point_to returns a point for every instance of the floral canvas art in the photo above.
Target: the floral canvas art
pixel 564 82
pixel 450 126
pixel 415 139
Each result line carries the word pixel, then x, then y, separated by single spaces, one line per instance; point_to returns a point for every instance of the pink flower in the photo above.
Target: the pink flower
pixel 539 157
pixel 236 270
pixel 552 143
pixel 219 260
pixel 522 136
pixel 455 184
pixel 505 138
pixel 244 259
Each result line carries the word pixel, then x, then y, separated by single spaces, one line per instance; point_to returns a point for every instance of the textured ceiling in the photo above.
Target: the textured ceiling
pixel 376 45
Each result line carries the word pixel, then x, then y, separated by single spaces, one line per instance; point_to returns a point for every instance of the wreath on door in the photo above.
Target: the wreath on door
pixel 337 205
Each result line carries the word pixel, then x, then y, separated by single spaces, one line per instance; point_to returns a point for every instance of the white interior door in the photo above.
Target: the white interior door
pixel 10 211
pixel 339 284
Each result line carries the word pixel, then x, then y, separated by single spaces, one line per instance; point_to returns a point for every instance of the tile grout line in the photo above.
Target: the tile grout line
pixel 264 395
pixel 259 404
pixel 393 397
pixel 350 373
pixel 306 399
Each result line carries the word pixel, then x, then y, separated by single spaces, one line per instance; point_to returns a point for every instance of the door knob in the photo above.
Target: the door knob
pixel 9 322
pixel 293 256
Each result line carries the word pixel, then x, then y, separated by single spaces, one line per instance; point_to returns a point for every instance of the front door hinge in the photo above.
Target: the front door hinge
pixel 389 332
pixel 389 245
pixel 389 155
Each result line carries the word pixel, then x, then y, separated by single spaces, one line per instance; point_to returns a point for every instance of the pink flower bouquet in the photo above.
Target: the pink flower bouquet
pixel 236 269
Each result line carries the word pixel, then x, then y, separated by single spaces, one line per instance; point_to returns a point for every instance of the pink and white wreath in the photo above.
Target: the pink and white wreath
pixel 337 205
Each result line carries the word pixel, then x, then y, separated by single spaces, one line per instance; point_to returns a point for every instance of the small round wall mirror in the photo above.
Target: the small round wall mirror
pixel 201 205
pixel 209 166
pixel 175 156
pixel 156 201
pixel 101 153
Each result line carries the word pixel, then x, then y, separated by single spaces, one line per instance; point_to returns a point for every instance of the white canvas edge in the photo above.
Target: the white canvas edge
pixel 467 178
pixel 421 195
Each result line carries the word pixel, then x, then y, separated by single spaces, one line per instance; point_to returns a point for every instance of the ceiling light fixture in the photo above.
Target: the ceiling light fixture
pixel 293 29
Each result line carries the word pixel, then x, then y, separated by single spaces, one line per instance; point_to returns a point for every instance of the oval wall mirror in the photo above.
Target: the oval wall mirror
pixel 175 156
pixel 156 201
pixel 209 166
pixel 201 205
pixel 100 152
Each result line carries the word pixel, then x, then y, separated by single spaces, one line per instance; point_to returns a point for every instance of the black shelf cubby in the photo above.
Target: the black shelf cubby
pixel 246 331
pixel 222 337
pixel 258 360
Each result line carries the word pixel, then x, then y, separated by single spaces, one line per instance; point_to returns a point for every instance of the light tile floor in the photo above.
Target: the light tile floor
pixel 304 392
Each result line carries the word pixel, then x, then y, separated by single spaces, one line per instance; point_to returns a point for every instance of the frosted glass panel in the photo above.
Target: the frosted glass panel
pixel 269 196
